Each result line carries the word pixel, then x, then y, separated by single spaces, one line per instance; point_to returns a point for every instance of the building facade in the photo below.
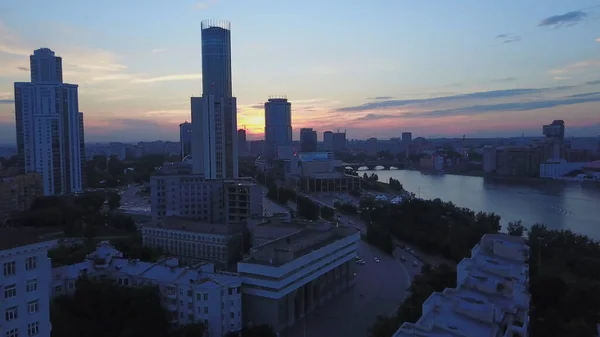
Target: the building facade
pixel 287 278
pixel 278 125
pixel 214 115
pixel 328 141
pixel 308 140
pixel 25 281
pixel 185 139
pixel 491 298
pixel 49 126
pixel 17 193
pixel 196 294
pixel 339 141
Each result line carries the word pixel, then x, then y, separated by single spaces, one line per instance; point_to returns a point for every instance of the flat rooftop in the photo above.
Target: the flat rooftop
pixel 286 249
pixel 189 225
pixel 12 237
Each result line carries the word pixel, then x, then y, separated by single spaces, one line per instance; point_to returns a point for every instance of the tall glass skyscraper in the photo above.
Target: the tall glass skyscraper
pixel 278 125
pixel 214 115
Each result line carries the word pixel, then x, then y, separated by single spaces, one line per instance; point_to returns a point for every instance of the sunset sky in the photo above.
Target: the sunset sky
pixel 376 68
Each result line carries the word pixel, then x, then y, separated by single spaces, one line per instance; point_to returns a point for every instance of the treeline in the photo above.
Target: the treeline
pixel 109 171
pixel 77 215
pixel 434 226
pixel 430 280
pixel 564 283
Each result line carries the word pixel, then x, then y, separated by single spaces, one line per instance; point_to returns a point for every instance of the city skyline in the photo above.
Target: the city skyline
pixel 435 69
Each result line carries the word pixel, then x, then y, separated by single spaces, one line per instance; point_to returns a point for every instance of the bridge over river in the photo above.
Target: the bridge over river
pixel 371 165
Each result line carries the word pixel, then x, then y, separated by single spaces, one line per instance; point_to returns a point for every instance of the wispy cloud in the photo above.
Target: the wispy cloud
pixel 473 110
pixel 159 50
pixel 444 99
pixel 379 98
pixel 598 39
pixel 561 78
pixel 564 20
pixel 182 77
pixel 23 68
pixel 205 4
pixel 503 80
pixel 257 106
pixel 593 82
pixel 576 67
pixel 508 38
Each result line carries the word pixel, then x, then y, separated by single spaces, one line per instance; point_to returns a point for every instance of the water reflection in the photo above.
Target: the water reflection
pixel 558 205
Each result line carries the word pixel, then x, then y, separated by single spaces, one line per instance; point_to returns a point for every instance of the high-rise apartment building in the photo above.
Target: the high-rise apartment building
pixel 242 143
pixel 49 125
pixel 308 140
pixel 185 139
pixel 214 115
pixel 278 125
pixel 328 141
pixel 339 141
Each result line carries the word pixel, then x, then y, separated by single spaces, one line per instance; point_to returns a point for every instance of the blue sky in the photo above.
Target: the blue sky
pixel 138 62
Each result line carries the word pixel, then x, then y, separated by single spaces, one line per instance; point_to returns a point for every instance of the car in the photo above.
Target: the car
pixel 402 258
pixel 376 260
pixel 415 263
pixel 360 262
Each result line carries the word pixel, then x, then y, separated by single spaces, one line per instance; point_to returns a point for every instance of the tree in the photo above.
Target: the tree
pixel 515 228
pixel 327 213
pixel 114 200
pixel 380 238
pixel 103 309
pixel 190 330
pixel 256 331
pixel 307 209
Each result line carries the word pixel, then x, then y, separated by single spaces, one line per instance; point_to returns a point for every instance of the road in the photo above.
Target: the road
pixel 379 289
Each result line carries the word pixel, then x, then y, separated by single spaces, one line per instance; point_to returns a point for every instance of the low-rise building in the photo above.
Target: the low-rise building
pixel 191 295
pixel 491 298
pixel 286 278
pixel 193 241
pixel 319 172
pixel 25 282
pixel 18 191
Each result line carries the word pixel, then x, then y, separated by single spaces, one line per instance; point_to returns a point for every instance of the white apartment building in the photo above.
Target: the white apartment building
pixel 491 299
pixel 286 278
pixel 197 294
pixel 49 125
pixel 24 284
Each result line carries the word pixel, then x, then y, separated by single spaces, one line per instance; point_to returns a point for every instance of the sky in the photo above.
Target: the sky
pixel 436 68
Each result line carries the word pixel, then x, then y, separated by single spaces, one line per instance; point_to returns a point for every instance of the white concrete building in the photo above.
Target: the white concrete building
pixel 491 299
pixel 49 125
pixel 24 284
pixel 286 278
pixel 191 295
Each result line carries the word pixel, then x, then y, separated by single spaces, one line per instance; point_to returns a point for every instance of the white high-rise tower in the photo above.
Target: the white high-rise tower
pixel 49 125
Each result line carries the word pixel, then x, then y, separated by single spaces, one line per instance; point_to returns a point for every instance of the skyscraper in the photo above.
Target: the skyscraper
pixel 185 138
pixel 308 140
pixel 214 115
pixel 328 140
pixel 278 125
pixel 49 125
pixel 242 144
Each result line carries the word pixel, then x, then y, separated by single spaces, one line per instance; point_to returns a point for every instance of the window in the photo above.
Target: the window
pixel 231 291
pixel 231 315
pixel 31 263
pixel 33 306
pixel 198 296
pixel 10 314
pixel 205 296
pixel 206 323
pixel 33 329
pixel 31 285
pixel 231 327
pixel 231 303
pixel 12 333
pixel 71 285
pixel 190 293
pixel 57 289
pixel 10 268
pixel 206 310
pixel 10 291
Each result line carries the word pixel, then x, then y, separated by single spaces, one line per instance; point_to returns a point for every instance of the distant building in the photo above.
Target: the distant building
pixel 18 192
pixel 25 279
pixel 489 159
pixel 242 144
pixel 278 125
pixel 256 147
pixel 406 142
pixel 308 140
pixel 328 141
pixel 372 147
pixel 185 139
pixel 190 295
pixel 49 125
pixel 339 141
pixel 287 278
pixel 491 297
pixel 319 172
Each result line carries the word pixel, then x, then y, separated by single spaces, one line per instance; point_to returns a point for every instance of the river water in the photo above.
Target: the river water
pixel 558 205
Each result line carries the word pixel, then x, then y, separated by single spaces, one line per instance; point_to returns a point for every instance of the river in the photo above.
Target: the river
pixel 558 205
